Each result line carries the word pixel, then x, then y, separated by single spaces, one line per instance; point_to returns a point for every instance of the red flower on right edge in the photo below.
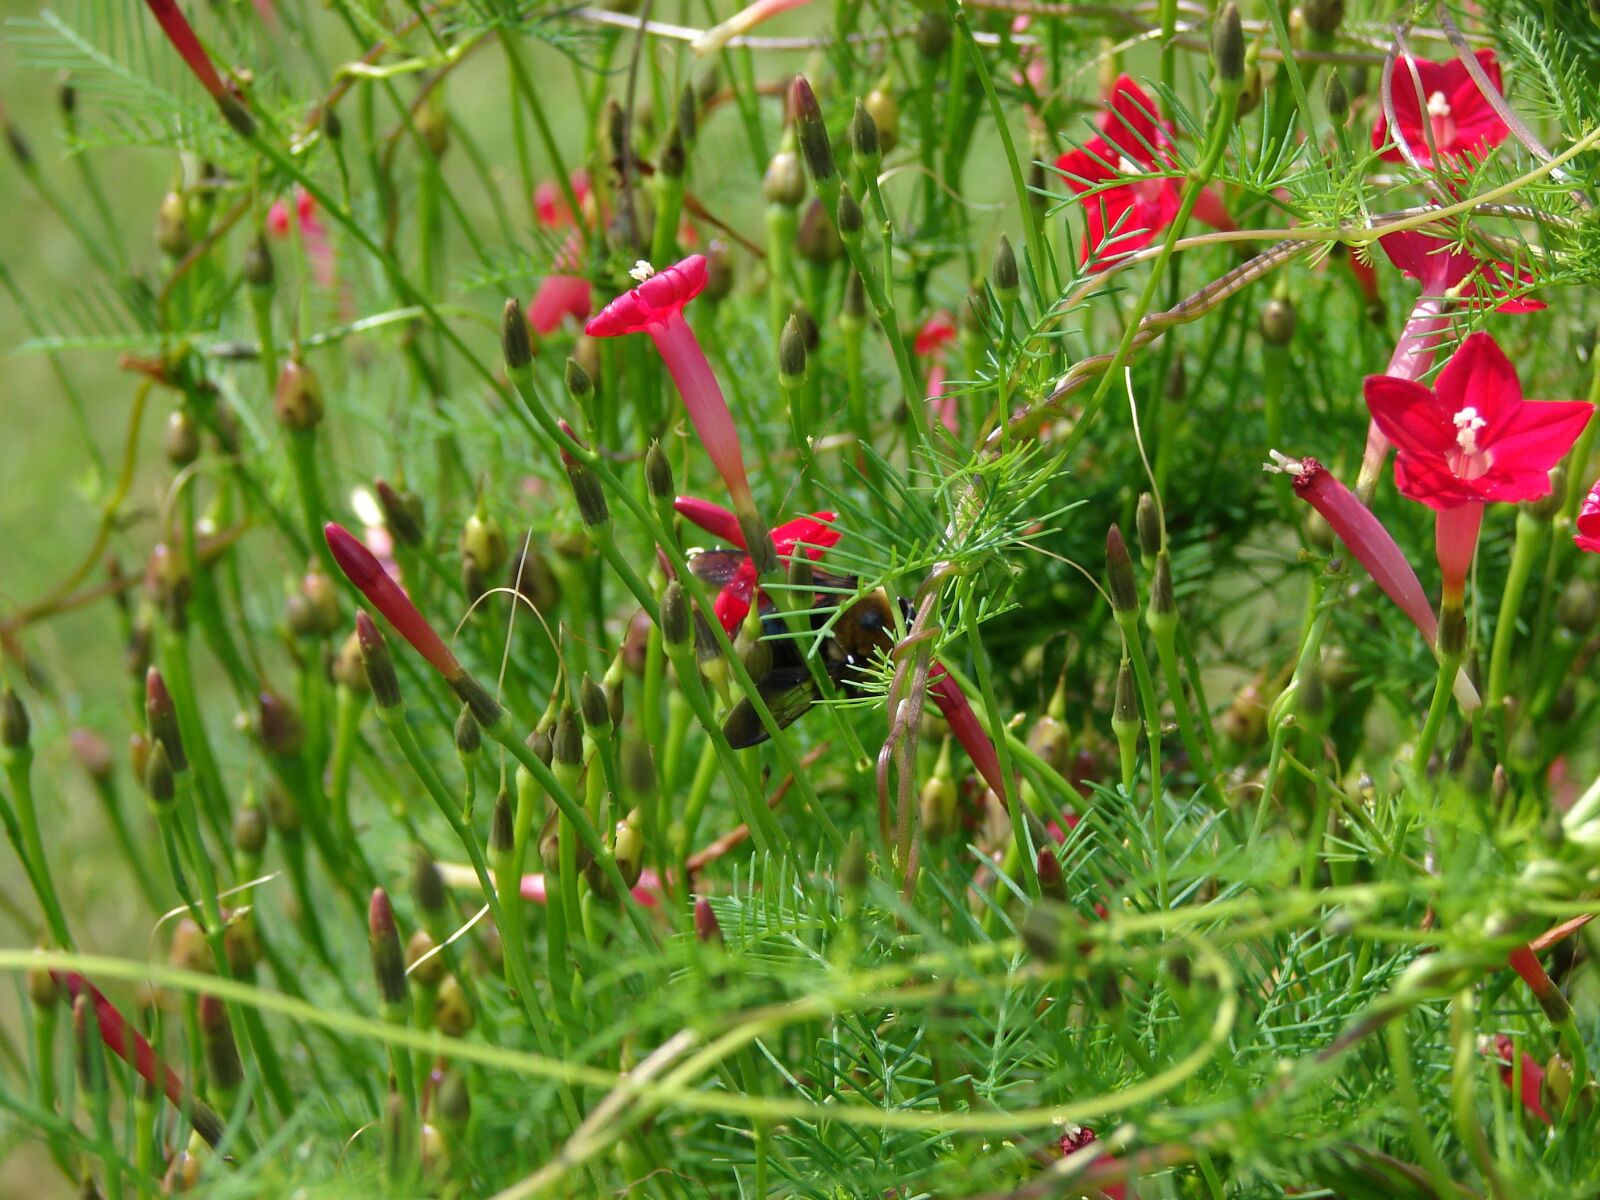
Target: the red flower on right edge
pixel 1588 535
pixel 1440 111
pixel 1472 438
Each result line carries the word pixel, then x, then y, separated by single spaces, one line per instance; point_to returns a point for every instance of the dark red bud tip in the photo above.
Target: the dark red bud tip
pixel 380 914
pixel 364 570
pixel 358 563
pixel 162 717
pixel 706 926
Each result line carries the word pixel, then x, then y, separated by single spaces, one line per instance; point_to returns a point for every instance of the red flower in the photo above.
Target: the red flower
pixel 550 204
pixel 656 307
pixel 1588 535
pixel 1081 1138
pixel 814 534
pixel 1125 217
pixel 1472 438
pixel 1440 267
pixel 937 332
pixel 1440 110
pixel 559 297
pixel 181 34
pixel 1503 1050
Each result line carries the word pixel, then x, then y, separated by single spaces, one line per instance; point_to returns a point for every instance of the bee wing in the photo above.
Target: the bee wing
pixel 787 691
pixel 716 567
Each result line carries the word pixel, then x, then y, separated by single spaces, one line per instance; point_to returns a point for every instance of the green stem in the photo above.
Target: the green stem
pixel 18 765
pixel 1529 539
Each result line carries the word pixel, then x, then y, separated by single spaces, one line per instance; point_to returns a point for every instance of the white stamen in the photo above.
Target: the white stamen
pixel 1438 106
pixel 1126 166
pixel 1282 464
pixel 1468 422
pixel 642 271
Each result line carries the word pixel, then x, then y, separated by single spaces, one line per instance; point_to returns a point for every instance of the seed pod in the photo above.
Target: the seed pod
pixel 452 1100
pixel 297 403
pixel 483 542
pixel 425 966
pixel 452 1012
pixel 1278 321
pixel 433 125
pixel 817 239
pixel 1119 573
pixel 180 441
pixel 516 341
pixel 43 992
pixel 282 811
pixel 785 181
pixel 172 216
pixel 885 112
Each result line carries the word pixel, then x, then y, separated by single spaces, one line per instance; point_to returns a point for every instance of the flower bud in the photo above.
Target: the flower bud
pixel 469 735
pixel 933 35
pixel 1051 931
pixel 388 960
pixel 937 804
pixel 658 474
pixel 379 664
pixel 297 403
pixel 531 577
pixel 578 382
pixel 1052 884
pixel 1578 606
pixel 516 342
pixel 1003 271
pixel 161 718
pixel 1148 523
pixel 674 616
pixel 452 1012
pixel 259 272
pixel 864 139
pixel 567 745
pixel 813 134
pixel 590 497
pixel 1162 603
pixel 785 180
pixel 1125 704
pixel 1336 98
pixel 594 704
pixel 43 992
pixel 1323 17
pixel 706 926
pixel 402 513
pixel 158 778
pixel 483 542
pixel 791 353
pixel 851 221
pixel 1277 321
pixel 719 272
pixel 1119 573
pixel 14 724
pixel 223 1067
pixel 674 156
pixel 279 727
pixel 250 830
pixel 1227 45
pixel 854 306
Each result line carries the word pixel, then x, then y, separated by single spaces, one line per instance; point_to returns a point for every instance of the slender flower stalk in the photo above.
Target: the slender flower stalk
pixel 656 307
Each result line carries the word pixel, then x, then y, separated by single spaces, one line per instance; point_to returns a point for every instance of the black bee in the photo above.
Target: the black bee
pixel 865 630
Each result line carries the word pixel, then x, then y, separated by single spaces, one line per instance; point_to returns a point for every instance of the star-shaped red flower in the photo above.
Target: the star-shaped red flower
pixel 813 534
pixel 1440 266
pixel 1472 437
pixel 1124 217
pixel 1440 106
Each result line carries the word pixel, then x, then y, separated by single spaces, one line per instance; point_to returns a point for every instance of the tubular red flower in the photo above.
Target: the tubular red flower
pixel 814 533
pixel 1455 539
pixel 656 307
pixel 1472 437
pixel 364 570
pixel 559 297
pixel 129 1045
pixel 957 711
pixel 937 332
pixel 1503 1050
pixel 1588 535
pixel 1440 107
pixel 182 36
pixel 713 518
pixel 1121 218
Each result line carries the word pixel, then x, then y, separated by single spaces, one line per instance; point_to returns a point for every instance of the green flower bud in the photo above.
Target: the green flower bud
pixel 516 341
pixel 1227 45
pixel 1003 271
pixel 1119 573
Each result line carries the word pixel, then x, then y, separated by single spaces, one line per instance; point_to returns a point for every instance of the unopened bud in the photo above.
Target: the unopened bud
pixel 180 441
pixel 1119 573
pixel 14 723
pixel 817 239
pixel 719 272
pixel 516 343
pixel 402 513
pixel 172 217
pixel 1578 606
pixel 279 727
pixel 1277 321
pixel 1323 17
pixel 379 663
pixel 594 704
pixel 250 830
pixel 567 745
pixel 258 268
pixel 851 222
pixel 469 735
pixel 158 778
pixel 1125 704
pixel 1336 98
pixel 933 35
pixel 854 306
pixel 452 1012
pixel 706 926
pixel 785 180
pixel 297 403
pixel 1003 271
pixel 590 497
pixel 1148 524
pixel 1162 603
pixel 388 959
pixel 425 966
pixel 578 382
pixel 864 139
pixel 675 626
pixel 658 473
pixel 885 110
pixel 1052 884
pixel 1227 45
pixel 791 353
pixel 813 134
pixel 223 1067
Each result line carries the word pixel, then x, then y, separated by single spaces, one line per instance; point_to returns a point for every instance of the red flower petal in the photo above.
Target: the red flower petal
pixel 713 518
pixel 1408 415
pixel 1130 124
pixel 937 331
pixel 558 297
pixel 661 296
pixel 1588 535
pixel 1479 375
